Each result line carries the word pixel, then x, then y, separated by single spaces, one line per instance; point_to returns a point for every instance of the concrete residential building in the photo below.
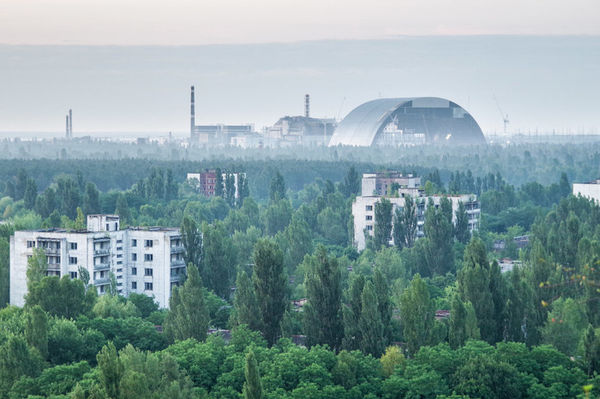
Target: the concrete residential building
pixel 590 190
pixel 205 182
pixel 143 260
pixel 363 208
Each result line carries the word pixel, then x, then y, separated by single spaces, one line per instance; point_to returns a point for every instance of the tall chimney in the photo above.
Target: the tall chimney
pixel 70 124
pixel 67 125
pixel 307 106
pixel 192 112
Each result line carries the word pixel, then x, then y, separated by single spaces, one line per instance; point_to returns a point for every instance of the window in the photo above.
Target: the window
pixel 72 260
pixel 107 227
pixel 133 257
pixel 119 241
pixel 148 243
pixel 119 270
pixel 369 217
pixel 119 248
pixel 30 244
pixel 119 284
pixel 148 286
pixel 119 262
pixel 134 271
pixel 369 207
pixel 134 243
pixel 148 257
pixel 147 272
pixel 119 277
pixel 73 275
pixel 134 285
pixel 119 255
pixel 369 228
pixel 73 245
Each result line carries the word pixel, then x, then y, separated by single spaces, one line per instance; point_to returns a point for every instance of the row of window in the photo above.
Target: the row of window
pixel 147 286
pixel 147 257
pixel 147 271
pixel 147 243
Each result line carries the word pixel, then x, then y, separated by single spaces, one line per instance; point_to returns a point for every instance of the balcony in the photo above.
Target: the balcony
pixel 52 251
pixel 178 263
pixel 176 277
pixel 101 266
pixel 102 252
pixel 54 266
pixel 176 249
pixel 101 281
pixel 101 239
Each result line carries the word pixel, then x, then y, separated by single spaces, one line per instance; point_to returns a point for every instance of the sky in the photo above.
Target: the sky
pixel 126 66
pixel 199 22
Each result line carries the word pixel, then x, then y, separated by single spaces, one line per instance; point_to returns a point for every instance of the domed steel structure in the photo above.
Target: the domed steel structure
pixel 407 121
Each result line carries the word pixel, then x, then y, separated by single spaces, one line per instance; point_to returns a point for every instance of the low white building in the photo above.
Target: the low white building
pixel 590 190
pixel 143 260
pixel 363 211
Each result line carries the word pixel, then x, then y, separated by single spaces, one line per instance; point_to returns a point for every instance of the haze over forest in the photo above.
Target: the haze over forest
pixel 541 82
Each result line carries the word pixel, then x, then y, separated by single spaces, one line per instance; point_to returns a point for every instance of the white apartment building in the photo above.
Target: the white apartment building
pixel 590 190
pixel 363 211
pixel 143 260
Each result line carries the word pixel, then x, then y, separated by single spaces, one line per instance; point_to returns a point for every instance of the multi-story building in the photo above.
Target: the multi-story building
pixel 363 207
pixel 143 260
pixel 590 190
pixel 381 183
pixel 206 182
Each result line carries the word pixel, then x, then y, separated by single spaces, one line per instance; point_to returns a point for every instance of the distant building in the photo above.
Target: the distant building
pixel 589 190
pixel 363 207
pixel 214 135
pixel 206 182
pixel 379 183
pixel 302 130
pixel 143 260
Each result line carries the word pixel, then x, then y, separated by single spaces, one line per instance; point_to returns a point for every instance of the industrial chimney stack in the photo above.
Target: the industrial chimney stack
pixel 307 106
pixel 69 125
pixel 192 112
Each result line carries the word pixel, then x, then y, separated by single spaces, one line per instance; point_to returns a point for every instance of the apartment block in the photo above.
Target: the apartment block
pixel 363 207
pixel 145 260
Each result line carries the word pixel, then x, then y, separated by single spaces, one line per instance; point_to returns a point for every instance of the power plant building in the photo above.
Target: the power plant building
pixel 406 122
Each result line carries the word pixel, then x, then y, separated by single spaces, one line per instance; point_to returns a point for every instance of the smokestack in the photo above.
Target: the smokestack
pixel 192 112
pixel 70 124
pixel 67 125
pixel 307 106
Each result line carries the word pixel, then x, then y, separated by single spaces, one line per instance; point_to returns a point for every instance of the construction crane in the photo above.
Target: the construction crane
pixel 503 115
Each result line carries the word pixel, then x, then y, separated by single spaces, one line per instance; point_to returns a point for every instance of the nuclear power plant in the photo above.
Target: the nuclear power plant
pixel 390 122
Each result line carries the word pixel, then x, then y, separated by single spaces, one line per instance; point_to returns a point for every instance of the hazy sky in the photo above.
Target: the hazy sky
pixel 184 22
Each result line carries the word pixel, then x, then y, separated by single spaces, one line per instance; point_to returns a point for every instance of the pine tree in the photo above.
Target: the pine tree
pixel 405 224
pixel 371 327
pixel 591 346
pixel 457 332
pixel 383 223
pixel 474 286
pixel 192 242
pixel 439 233
pixel 4 272
pixel 270 287
pixel 243 189
pixel 110 370
pixel 36 330
pixel 246 306
pixel 352 312
pixel 384 304
pixel 322 313
pixel 218 259
pixel 277 188
pixel 461 227
pixel 351 184
pixel 188 315
pixel 417 314
pixel 122 209
pixel 30 194
pixel 37 266
pixel 218 183
pixel 230 189
pixel 252 385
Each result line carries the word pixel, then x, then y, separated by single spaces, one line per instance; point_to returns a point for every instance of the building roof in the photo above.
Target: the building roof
pixel 440 119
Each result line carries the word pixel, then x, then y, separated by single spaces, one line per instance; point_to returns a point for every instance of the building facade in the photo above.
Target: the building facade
pixel 143 260
pixel 590 190
pixel 363 208
pixel 205 182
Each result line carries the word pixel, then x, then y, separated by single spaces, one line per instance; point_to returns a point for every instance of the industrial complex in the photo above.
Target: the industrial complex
pixel 390 122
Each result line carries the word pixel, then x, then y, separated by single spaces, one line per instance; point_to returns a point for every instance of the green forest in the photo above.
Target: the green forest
pixel 277 303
